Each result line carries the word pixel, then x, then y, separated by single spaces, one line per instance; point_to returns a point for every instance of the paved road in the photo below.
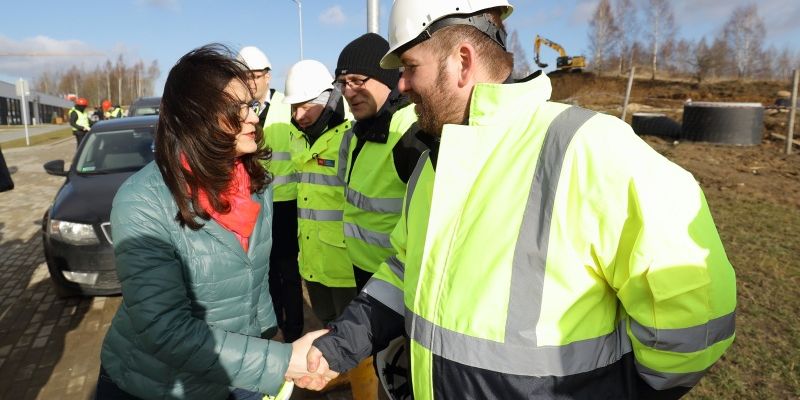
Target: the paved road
pixel 13 132
pixel 50 347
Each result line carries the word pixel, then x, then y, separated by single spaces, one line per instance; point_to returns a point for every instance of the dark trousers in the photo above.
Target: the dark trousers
pixel 78 136
pixel 362 277
pixel 5 175
pixel 329 302
pixel 108 390
pixel 286 290
pixel 285 285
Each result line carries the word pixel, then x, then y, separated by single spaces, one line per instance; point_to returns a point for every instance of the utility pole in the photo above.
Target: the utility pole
pixel 793 105
pixel 300 17
pixel 372 16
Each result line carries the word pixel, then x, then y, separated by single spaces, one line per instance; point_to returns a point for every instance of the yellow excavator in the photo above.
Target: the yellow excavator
pixel 563 62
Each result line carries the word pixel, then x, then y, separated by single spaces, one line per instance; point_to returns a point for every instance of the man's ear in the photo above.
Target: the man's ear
pixel 468 67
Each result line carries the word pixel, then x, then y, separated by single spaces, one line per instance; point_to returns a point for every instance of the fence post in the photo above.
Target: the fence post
pixel 628 93
pixel 792 112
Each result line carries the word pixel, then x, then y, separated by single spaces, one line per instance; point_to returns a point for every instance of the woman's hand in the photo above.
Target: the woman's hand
pixel 299 370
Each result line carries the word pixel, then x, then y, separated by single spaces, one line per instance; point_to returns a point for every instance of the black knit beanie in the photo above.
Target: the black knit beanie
pixel 363 56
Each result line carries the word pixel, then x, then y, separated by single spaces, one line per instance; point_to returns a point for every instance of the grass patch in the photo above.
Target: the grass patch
pixel 39 139
pixel 762 240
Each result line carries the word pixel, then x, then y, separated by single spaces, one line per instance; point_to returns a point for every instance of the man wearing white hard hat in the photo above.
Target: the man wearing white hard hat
pixel 284 140
pixel 318 112
pixel 544 251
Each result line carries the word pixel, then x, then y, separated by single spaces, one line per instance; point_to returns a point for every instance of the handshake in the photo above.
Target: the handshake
pixel 307 367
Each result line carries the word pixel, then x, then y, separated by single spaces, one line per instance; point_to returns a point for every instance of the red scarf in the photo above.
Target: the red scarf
pixel 244 211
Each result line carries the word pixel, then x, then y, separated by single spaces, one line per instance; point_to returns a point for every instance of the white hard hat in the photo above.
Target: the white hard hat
pixel 253 58
pixel 392 364
pixel 306 80
pixel 410 18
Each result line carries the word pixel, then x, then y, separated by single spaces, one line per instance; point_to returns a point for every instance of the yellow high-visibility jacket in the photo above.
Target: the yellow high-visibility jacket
pixel 320 201
pixel 548 252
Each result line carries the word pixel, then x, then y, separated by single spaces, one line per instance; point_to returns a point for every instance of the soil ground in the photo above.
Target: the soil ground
pixel 754 195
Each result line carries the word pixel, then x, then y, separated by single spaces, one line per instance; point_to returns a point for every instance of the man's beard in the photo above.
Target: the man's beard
pixel 436 108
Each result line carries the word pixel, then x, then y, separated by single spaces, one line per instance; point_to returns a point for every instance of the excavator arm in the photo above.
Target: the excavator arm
pixel 563 62
pixel 537 44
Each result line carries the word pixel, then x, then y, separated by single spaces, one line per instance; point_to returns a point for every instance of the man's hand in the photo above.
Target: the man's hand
pixel 299 372
pixel 316 365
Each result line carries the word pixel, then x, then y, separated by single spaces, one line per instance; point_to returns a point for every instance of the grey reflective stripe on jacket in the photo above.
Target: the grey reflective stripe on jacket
pixel 412 181
pixel 386 293
pixel 320 179
pixel 378 205
pixel 282 180
pixel 344 153
pixel 320 215
pixel 366 235
pixel 281 156
pixel 519 352
pixel 685 340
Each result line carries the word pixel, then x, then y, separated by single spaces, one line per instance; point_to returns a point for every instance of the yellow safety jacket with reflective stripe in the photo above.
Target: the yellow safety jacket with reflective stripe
pixel 374 195
pixel 536 249
pixel 285 141
pixel 115 112
pixel 83 118
pixel 320 200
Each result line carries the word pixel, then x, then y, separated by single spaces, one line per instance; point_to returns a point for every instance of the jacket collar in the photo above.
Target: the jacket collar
pixel 490 101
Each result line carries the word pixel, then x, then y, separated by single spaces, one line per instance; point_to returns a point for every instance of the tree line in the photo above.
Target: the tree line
pixel 119 82
pixel 643 33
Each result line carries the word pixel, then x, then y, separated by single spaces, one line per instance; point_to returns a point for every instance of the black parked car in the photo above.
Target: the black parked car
pixel 75 230
pixel 145 106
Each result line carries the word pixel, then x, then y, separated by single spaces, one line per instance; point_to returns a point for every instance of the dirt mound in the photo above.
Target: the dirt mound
pixel 759 172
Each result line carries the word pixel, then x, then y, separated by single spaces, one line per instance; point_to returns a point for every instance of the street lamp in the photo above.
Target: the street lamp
pixel 300 16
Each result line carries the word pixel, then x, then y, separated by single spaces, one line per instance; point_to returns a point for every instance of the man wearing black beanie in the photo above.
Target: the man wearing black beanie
pixel 382 154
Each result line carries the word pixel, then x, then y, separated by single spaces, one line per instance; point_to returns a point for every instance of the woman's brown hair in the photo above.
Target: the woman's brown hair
pixel 196 116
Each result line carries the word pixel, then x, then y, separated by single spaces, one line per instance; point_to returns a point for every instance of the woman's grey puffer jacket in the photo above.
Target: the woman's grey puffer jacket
pixel 194 303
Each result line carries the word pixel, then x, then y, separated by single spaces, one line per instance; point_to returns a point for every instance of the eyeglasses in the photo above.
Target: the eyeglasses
pixel 244 109
pixel 256 74
pixel 353 83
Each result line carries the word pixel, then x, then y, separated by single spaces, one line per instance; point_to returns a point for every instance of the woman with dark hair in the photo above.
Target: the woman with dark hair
pixel 192 238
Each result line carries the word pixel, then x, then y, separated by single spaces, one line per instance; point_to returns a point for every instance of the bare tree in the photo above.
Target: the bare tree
pixel 603 33
pixel 47 82
pixel 744 32
pixel 722 56
pixel 153 71
pixel 682 56
pixel 625 14
pixel 661 25
pixel 783 65
pixel 521 66
pixel 102 82
pixel 703 62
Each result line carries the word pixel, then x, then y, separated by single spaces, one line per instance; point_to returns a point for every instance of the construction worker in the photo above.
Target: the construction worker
pixel 284 140
pixel 114 111
pixel 79 119
pixel 381 154
pixel 105 106
pixel 318 112
pixel 533 259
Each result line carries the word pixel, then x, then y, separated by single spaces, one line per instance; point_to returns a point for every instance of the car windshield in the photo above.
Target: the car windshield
pixel 116 151
pixel 145 110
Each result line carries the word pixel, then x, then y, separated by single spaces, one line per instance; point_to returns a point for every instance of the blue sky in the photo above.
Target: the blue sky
pixel 164 30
